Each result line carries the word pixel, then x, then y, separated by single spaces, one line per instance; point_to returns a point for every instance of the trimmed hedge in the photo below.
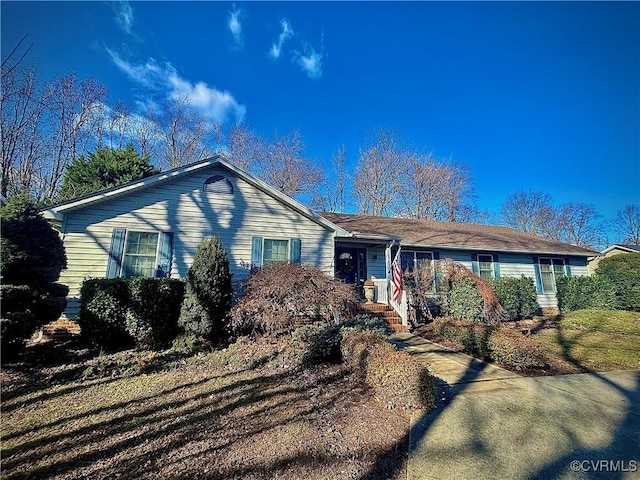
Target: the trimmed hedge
pixel 465 301
pixel 579 293
pixel 518 296
pixel 623 271
pixel 153 311
pixel 512 349
pixel 472 336
pixel 396 377
pixel 355 346
pixel 314 344
pixel 118 313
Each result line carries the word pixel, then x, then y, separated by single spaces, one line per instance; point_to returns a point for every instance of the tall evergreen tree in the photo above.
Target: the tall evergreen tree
pixel 207 301
pixel 104 169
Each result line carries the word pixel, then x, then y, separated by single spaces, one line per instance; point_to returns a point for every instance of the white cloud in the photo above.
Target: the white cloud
pixel 235 27
pixel 310 61
pixel 124 16
pixel 287 32
pixel 216 105
pixel 163 79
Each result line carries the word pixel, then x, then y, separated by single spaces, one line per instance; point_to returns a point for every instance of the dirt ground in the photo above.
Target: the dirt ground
pixel 205 416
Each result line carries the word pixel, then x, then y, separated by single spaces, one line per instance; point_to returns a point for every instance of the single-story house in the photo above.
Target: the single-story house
pixel 615 249
pixel 153 226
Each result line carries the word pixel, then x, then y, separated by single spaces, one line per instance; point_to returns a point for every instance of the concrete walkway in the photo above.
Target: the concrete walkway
pixel 492 424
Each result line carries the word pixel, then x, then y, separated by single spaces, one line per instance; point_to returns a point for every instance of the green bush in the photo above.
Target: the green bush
pixel 103 313
pixel 398 378
pixel 153 311
pixel 580 293
pixel 354 348
pixel 32 252
pixel 314 344
pixel 472 336
pixel 511 348
pixel 32 256
pixel 205 311
pixel 117 313
pixel 465 301
pixel 518 296
pixel 623 271
pixel 366 322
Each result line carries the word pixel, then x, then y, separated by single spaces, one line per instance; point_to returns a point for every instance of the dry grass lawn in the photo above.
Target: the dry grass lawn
pixel 205 418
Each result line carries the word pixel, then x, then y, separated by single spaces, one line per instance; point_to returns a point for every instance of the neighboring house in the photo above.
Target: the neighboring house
pixel 152 227
pixel 615 249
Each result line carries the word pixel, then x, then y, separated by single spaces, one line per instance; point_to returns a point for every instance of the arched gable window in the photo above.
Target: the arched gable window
pixel 218 184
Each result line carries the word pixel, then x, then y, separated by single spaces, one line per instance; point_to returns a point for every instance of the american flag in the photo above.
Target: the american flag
pixel 396 292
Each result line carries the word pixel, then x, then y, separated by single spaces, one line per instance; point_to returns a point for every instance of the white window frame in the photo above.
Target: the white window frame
pixel 124 252
pixel 554 275
pixel 264 250
pixel 492 271
pixel 415 259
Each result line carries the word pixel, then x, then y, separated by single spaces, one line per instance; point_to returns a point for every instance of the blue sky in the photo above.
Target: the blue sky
pixel 540 95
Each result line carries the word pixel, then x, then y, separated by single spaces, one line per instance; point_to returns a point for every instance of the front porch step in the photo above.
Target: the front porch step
pixel 386 313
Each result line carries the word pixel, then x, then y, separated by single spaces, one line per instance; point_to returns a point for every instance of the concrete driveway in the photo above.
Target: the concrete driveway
pixel 493 424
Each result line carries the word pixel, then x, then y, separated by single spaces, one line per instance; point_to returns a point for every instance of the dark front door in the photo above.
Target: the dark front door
pixel 351 265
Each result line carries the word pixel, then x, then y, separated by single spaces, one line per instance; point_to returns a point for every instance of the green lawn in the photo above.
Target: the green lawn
pixel 592 340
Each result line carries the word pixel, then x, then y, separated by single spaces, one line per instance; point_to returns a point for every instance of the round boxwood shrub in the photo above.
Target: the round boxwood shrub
pixel 518 296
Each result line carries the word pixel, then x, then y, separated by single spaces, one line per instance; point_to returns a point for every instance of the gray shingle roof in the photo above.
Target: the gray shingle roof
pixel 452 235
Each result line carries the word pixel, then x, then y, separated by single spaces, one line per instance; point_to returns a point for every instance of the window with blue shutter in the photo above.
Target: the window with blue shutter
pixel 139 254
pixel 165 255
pixel 115 252
pixel 295 252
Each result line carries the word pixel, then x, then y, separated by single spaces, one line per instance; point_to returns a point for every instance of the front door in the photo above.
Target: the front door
pixel 351 265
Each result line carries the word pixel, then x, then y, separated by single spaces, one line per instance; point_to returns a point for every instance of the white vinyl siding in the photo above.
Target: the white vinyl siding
pixel 181 206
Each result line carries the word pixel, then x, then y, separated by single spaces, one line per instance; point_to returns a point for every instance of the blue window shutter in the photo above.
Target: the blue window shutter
pixel 115 252
pixel 536 266
pixel 256 252
pixel 496 266
pixel 567 266
pixel 474 264
pixel 295 250
pixel 436 255
pixel 164 260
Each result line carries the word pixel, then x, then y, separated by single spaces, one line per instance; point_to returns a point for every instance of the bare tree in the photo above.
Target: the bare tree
pixel 331 195
pixel 241 147
pixel 627 224
pixel 21 109
pixel 282 163
pixel 429 189
pixel 380 164
pixel 186 135
pixel 70 107
pixel 528 211
pixel 576 223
